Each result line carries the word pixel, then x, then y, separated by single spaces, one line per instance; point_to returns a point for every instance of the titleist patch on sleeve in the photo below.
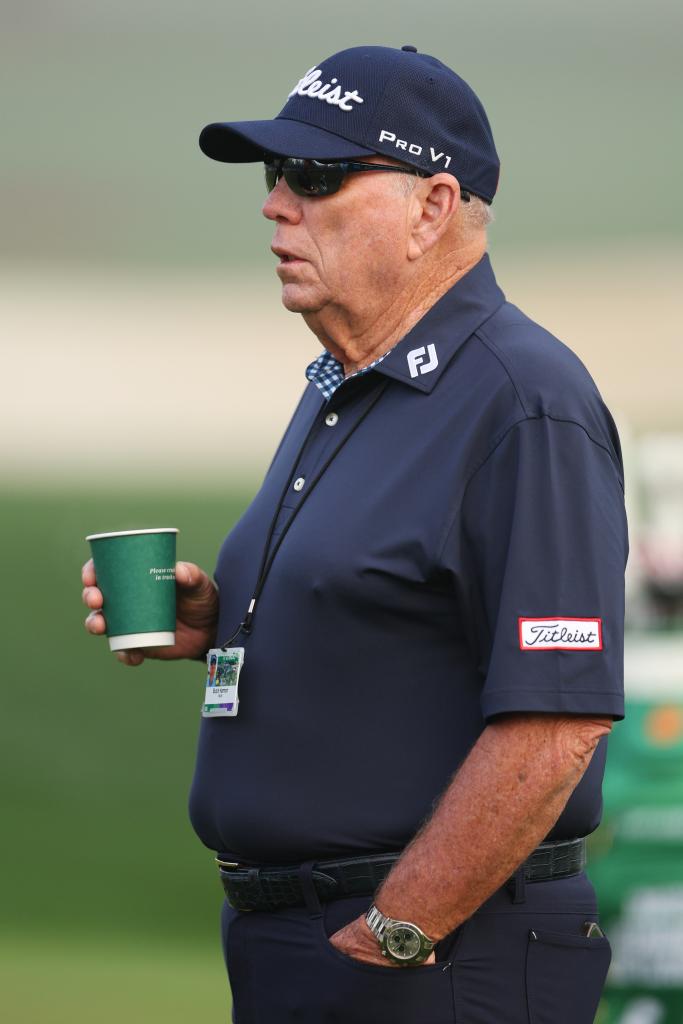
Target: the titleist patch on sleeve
pixel 560 634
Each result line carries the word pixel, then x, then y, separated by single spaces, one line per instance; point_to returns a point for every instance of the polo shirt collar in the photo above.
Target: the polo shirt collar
pixel 423 354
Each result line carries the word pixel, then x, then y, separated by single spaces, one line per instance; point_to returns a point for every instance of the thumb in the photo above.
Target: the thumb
pixel 190 577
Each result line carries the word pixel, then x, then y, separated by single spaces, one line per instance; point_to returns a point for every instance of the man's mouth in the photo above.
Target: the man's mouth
pixel 286 256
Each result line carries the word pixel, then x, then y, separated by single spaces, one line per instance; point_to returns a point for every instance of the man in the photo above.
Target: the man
pixel 428 589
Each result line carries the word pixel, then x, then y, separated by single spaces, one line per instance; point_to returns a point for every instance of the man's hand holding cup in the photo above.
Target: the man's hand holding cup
pixel 143 620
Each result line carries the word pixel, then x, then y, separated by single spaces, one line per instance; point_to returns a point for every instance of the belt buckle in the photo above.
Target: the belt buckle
pixel 226 865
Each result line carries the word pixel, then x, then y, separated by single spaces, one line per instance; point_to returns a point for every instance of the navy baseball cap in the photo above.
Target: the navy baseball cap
pixel 372 100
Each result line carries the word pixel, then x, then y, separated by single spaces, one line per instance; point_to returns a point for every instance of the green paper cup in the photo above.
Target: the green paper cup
pixel 136 573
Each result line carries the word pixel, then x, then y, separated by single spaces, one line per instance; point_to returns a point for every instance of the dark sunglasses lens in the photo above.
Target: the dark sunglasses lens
pixel 271 176
pixel 299 180
pixel 328 178
pixel 308 178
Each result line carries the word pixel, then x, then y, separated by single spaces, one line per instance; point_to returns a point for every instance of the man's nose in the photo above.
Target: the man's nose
pixel 282 204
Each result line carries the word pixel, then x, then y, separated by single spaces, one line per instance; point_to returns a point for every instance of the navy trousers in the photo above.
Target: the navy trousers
pixel 522 958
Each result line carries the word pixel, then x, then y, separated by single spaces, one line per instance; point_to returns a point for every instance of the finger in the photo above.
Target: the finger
pixel 190 577
pixel 130 658
pixel 188 574
pixel 93 598
pixel 88 574
pixel 95 624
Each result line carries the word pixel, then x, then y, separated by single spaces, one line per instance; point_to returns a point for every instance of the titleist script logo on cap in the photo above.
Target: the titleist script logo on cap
pixel 560 634
pixel 329 92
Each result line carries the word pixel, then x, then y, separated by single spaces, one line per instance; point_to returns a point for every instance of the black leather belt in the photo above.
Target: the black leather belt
pixel 274 888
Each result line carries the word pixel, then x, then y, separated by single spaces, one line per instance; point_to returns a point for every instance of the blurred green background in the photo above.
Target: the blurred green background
pixel 105 102
pixel 110 904
pixel 149 371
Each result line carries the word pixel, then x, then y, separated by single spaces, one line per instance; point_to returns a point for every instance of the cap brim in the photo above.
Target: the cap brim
pixel 247 141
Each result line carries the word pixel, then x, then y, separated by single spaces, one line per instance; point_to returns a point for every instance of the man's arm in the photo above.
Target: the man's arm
pixel 500 805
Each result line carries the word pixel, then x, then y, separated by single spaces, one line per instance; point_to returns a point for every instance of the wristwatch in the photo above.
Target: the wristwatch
pixel 400 941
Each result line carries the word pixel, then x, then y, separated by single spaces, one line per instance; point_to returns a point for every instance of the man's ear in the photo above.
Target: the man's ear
pixel 433 204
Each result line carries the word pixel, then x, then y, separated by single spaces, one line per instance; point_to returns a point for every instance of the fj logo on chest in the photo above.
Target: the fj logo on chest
pixel 416 360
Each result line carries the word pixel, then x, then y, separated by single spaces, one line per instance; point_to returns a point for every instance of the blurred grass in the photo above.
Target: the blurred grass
pixel 63 980
pixel 110 905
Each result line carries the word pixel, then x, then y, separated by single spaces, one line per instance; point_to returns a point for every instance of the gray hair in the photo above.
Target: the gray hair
pixel 476 215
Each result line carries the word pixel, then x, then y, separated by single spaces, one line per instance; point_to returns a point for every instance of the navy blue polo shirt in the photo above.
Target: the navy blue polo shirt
pixel 461 557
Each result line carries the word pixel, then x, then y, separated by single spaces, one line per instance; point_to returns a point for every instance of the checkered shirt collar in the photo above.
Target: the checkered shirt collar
pixel 327 373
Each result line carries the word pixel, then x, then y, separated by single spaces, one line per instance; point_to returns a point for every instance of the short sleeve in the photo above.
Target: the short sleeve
pixel 544 531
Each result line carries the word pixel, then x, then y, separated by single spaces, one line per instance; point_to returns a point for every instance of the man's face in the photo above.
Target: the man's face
pixel 341 251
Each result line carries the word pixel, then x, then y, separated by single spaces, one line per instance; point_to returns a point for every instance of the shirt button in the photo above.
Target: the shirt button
pixel 299 483
pixel 331 419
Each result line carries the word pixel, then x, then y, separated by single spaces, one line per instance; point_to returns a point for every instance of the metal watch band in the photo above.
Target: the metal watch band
pixel 376 922
pixel 379 924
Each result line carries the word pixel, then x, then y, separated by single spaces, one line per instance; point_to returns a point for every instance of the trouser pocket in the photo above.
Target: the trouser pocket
pixel 565 974
pixel 365 993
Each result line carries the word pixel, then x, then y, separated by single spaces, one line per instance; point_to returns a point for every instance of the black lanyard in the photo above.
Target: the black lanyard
pixel 267 559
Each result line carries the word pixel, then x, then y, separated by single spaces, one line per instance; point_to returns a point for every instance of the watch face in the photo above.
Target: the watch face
pixel 403 942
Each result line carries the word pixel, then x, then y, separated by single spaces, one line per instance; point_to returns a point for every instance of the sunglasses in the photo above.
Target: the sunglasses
pixel 322 178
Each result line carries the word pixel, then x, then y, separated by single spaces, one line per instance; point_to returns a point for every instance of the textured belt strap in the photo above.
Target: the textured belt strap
pixel 276 887
pixel 556 860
